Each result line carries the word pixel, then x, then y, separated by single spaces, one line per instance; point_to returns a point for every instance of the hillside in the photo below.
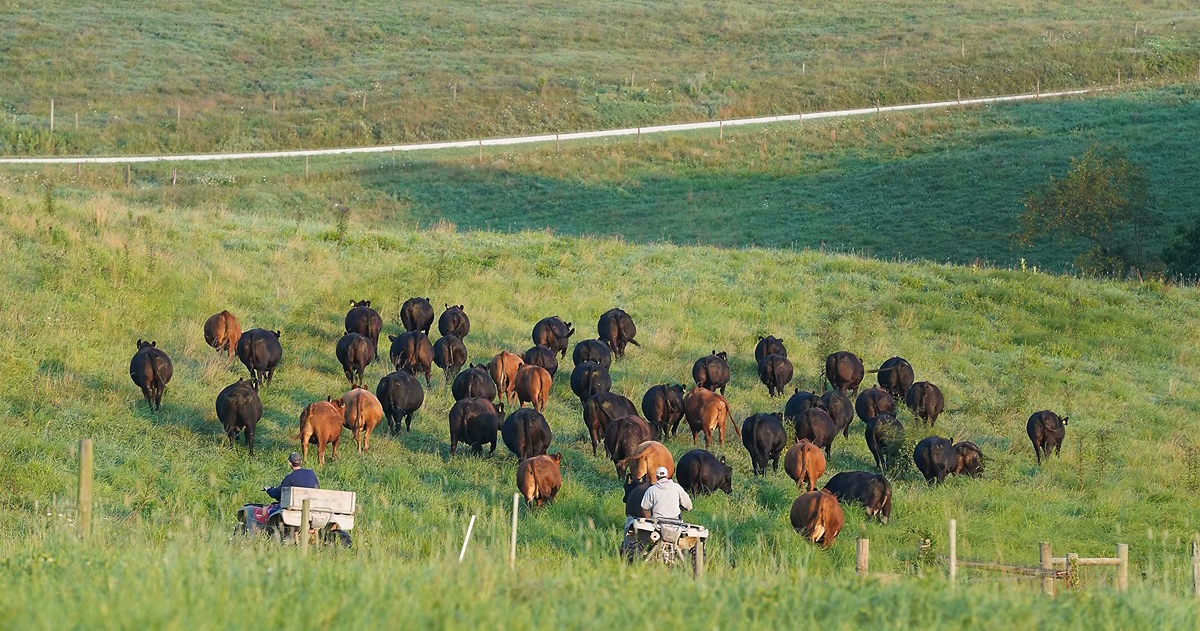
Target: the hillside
pixel 94 274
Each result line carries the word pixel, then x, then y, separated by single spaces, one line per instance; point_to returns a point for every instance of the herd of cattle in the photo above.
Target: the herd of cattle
pixel 630 440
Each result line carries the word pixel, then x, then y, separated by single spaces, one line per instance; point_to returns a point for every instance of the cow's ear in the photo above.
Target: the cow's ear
pixel 1064 420
pixel 155 345
pixel 722 459
pixel 139 342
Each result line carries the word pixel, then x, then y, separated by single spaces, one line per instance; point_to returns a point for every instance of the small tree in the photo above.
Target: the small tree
pixel 1104 199
pixel 1183 254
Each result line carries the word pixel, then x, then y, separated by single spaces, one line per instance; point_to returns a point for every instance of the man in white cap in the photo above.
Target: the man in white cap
pixel 665 499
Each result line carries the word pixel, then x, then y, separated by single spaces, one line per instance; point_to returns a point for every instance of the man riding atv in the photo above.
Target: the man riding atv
pixel 301 477
pixel 665 499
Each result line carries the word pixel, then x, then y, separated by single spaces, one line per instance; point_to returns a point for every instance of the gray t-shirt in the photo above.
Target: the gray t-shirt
pixel 665 499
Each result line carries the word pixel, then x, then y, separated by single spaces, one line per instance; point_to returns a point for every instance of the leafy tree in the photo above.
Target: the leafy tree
pixel 1183 254
pixel 1103 199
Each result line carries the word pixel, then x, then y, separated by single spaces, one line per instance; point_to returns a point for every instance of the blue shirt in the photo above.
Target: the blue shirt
pixel 304 478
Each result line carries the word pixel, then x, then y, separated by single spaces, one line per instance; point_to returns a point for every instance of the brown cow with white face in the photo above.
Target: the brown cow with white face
pixel 818 516
pixel 539 479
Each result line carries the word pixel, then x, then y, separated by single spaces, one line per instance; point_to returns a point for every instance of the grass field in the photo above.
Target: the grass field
pixel 178 76
pixel 91 273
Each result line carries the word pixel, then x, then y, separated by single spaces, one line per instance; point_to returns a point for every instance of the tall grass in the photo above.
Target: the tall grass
pixel 101 273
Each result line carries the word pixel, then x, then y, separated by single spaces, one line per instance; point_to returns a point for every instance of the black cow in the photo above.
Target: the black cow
pixel 818 427
pixel 450 354
pixel 616 329
pixel 239 409
pixel 769 345
pixel 896 376
pixel 699 471
pixel 454 321
pixel 775 371
pixel 662 406
pixel 840 409
pixel 634 492
pixel 712 371
pixel 526 433
pixel 592 351
pixel 926 401
pixel 473 421
pixel 355 352
pixel 884 436
pixel 764 437
pixel 869 489
pixel 602 409
pixel 542 356
pixel 151 370
pixel 365 321
pixel 1046 431
pixel 798 404
pixel 935 458
pixel 872 402
pixel 260 352
pixel 553 333
pixel 589 379
pixel 474 382
pixel 411 351
pixel 401 395
pixel 416 314
pixel 844 370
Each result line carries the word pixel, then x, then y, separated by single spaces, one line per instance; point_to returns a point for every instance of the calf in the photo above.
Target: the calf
pixel 844 370
pixel 623 435
pixel 818 516
pixel 416 314
pixel 764 437
pixel 475 382
pixel 970 459
pixel 239 409
pixel 699 471
pixel 1046 431
pixel 896 376
pixel 869 489
pixel 662 406
pixel 321 425
pixel 454 321
pixel 355 352
pixel 769 345
pixel 805 464
pixel 260 353
pixel 600 410
pixel 884 436
pixel 818 427
pixel 449 354
pixel 588 379
pixel 553 333
pixel 539 479
pixel 707 411
pixel 646 458
pixel 365 321
pixel 926 401
pixel 473 421
pixel 222 332
pixel 616 329
pixel 503 369
pixel 411 351
pixel 363 412
pixel 151 370
pixel 526 433
pixel 711 372
pixel 775 371
pixel 401 395
pixel 840 410
pixel 872 402
pixel 542 356
pixel 592 351
pixel 533 385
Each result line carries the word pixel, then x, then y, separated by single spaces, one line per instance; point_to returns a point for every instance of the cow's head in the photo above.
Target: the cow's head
pixel 970 459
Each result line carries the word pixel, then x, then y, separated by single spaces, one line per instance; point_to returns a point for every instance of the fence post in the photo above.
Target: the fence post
pixel 1196 567
pixel 178 114
pixel 52 116
pixel 953 551
pixel 128 175
pixel 1072 569
pixel 481 152
pixel 305 507
pixel 306 167
pixel 174 175
pixel 512 542
pixel 84 505
pixel 462 553
pixel 1123 567
pixel 862 556
pixel 721 130
pixel 1048 568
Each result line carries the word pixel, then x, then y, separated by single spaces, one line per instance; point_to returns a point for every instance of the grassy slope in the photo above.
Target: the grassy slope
pixel 98 274
pixel 522 66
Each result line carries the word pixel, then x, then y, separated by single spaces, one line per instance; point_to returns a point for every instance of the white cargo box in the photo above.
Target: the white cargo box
pixel 341 502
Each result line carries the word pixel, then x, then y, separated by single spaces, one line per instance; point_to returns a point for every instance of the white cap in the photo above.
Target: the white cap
pixel 661 473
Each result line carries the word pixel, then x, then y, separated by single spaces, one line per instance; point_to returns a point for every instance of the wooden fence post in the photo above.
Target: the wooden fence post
pixel 178 114
pixel 1047 567
pixel 1196 568
pixel 305 508
pixel 1072 569
pixel 462 553
pixel 862 556
pixel 128 175
pixel 721 131
pixel 174 175
pixel 512 542
pixel 1123 567
pixel 52 116
pixel 481 152
pixel 953 551
pixel 84 506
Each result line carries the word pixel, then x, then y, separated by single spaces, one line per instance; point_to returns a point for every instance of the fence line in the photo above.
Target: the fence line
pixel 547 138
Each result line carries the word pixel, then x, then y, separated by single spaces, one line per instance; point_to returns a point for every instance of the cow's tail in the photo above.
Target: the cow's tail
pixel 537 490
pixel 818 530
pixel 729 417
pixel 634 342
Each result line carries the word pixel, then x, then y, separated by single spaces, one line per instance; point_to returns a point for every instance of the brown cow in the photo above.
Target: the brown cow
pixel 804 463
pixel 707 411
pixel 222 332
pixel 321 424
pixel 503 369
pixel 363 412
pixel 646 459
pixel 533 385
pixel 539 478
pixel 818 516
